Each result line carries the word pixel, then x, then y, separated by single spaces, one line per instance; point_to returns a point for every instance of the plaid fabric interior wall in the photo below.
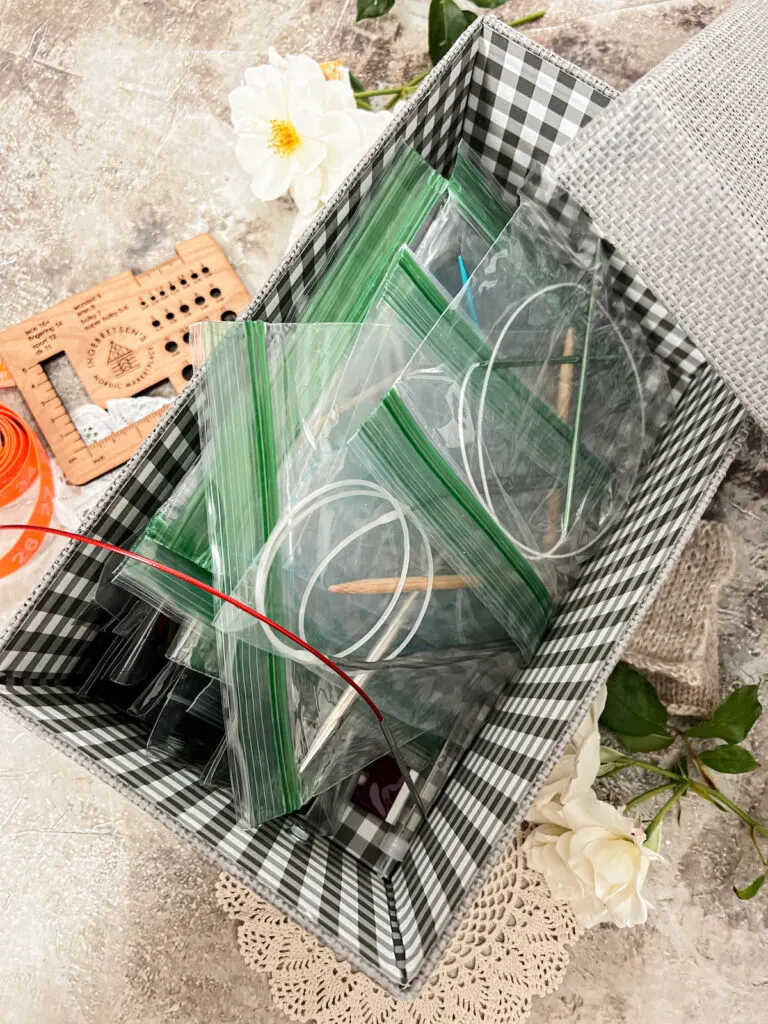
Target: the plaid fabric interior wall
pixel 514 103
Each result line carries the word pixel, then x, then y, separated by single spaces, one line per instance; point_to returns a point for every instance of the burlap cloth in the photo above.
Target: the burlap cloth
pixel 676 644
pixel 514 942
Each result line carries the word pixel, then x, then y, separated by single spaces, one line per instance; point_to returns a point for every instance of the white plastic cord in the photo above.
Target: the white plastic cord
pixel 326 495
pixel 485 497
pixel 329 557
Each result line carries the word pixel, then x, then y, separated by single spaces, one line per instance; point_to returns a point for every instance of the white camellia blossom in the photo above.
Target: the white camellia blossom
pixel 576 771
pixel 299 131
pixel 594 857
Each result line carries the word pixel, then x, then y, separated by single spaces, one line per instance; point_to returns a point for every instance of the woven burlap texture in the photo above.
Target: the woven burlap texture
pixel 676 644
pixel 675 175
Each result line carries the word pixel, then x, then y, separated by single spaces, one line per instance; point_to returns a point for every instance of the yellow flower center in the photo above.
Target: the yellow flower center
pixel 284 139
pixel 333 70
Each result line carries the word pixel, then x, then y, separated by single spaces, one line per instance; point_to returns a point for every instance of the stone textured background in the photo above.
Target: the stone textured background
pixel 115 146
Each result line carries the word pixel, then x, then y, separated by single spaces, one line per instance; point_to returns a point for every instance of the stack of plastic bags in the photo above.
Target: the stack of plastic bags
pixel 408 476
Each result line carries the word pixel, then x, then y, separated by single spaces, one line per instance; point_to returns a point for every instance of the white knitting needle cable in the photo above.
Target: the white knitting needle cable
pixel 323 496
pixel 402 515
pixel 532 553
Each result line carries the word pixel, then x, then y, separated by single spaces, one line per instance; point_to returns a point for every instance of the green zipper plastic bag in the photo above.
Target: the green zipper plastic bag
pixel 275 705
pixel 470 217
pixel 177 534
pixel 466 217
pixel 559 398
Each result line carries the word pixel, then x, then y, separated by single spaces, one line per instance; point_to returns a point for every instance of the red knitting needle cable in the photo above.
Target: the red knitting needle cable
pixel 209 590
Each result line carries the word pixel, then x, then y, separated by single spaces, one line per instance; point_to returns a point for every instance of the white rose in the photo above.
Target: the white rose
pixel 594 857
pixel 576 770
pixel 298 129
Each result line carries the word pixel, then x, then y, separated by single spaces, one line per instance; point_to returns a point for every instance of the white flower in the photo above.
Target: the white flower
pixel 576 770
pixel 298 129
pixel 594 857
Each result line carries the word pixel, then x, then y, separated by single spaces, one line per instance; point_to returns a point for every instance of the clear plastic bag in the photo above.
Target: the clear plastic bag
pixel 390 216
pixel 195 648
pixel 539 394
pixel 175 731
pixel 472 214
pixel 301 502
pixel 177 536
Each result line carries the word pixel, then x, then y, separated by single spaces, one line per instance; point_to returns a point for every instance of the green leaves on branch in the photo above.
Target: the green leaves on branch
pixel 634 712
pixel 729 759
pixel 446 23
pixel 750 890
pixel 373 8
pixel 645 744
pixel 732 720
pixel 638 719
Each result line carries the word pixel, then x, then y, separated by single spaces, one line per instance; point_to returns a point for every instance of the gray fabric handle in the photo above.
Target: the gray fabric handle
pixel 675 174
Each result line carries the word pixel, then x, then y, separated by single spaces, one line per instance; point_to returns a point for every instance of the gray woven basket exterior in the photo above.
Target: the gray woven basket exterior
pixel 675 174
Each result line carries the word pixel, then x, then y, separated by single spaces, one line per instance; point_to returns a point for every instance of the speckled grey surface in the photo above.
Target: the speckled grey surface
pixel 119 146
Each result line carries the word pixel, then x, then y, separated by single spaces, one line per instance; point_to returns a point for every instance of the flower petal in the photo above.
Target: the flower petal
pixel 251 150
pixel 306 191
pixel 338 95
pixel 588 810
pixel 341 134
pixel 272 178
pixel 276 60
pixel 309 155
pixel 271 91
pixel 302 70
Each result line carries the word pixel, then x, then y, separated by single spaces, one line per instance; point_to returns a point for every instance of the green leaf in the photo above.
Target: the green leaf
pixel 729 759
pixel 610 754
pixel 645 744
pixel 733 719
pixel 357 86
pixel 632 707
pixel 611 761
pixel 750 890
pixel 373 9
pixel 653 839
pixel 489 4
pixel 446 23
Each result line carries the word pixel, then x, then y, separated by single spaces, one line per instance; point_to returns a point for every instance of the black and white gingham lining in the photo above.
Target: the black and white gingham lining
pixel 513 102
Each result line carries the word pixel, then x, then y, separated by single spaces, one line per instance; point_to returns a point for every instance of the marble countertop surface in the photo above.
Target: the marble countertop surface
pixel 116 115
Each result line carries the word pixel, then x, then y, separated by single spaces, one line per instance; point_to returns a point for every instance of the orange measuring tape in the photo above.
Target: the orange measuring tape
pixel 22 461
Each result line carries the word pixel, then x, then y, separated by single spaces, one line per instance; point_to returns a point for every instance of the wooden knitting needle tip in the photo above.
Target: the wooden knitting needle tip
pixel 388 585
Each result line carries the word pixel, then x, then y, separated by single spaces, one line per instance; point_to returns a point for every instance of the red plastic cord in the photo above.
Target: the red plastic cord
pixel 209 590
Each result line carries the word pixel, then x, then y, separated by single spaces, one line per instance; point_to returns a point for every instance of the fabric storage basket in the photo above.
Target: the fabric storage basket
pixel 514 103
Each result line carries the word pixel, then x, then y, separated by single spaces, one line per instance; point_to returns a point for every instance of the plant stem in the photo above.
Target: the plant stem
pixel 642 797
pixel 753 837
pixel 415 81
pixel 378 92
pixel 675 798
pixel 653 768
pixel 526 19
pixel 720 797
pixel 397 91
pixel 697 761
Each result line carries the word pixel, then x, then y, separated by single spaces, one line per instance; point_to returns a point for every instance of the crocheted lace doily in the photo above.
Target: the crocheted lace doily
pixel 513 944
